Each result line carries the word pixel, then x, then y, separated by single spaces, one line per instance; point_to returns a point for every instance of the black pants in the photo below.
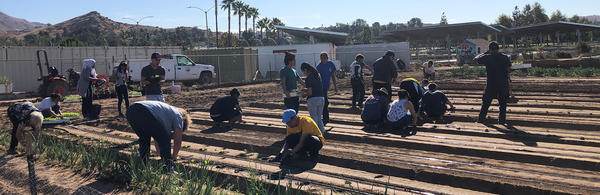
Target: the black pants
pixel 146 126
pixel 312 144
pixel 435 113
pixel 387 86
pixel 358 91
pixel 13 136
pixel 292 103
pixel 55 109
pixel 325 109
pixel 499 92
pixel 122 94
pixel 86 102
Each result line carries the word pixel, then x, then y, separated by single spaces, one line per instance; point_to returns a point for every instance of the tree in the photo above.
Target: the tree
pixel 578 19
pixel 237 10
pixel 539 14
pixel 246 11
pixel 253 13
pixel 365 35
pixel 263 23
pixel 516 17
pixel 415 23
pixel 558 16
pixel 505 20
pixel 444 20
pixel 527 14
pixel 226 5
pixel 376 27
pixel 277 21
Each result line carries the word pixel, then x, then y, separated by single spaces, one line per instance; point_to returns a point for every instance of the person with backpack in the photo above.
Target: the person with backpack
pixel 121 76
pixel 375 108
pixel 356 80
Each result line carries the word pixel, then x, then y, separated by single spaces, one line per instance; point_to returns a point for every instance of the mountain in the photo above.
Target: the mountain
pixel 91 22
pixel 9 23
pixel 593 18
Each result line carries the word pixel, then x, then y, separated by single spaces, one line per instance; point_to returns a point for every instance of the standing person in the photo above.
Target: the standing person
pixel 289 82
pixel 50 106
pixel 376 108
pixel 434 103
pixel 227 108
pixel 327 70
pixel 497 66
pixel 402 113
pixel 314 94
pixel 384 73
pixel 21 115
pixel 162 122
pixel 303 139
pixel 356 80
pixel 121 75
pixel 84 87
pixel 415 91
pixel 429 70
pixel 153 76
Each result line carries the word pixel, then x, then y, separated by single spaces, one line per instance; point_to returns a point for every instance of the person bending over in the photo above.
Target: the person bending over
pixel 161 121
pixel 227 108
pixel 375 109
pixel 303 139
pixel 22 115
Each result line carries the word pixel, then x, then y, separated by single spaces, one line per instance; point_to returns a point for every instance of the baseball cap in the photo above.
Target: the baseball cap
pixel 288 115
pixel 156 56
pixel 390 53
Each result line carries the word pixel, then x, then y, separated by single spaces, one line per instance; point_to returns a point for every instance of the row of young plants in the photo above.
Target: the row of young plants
pixel 103 160
pixel 474 72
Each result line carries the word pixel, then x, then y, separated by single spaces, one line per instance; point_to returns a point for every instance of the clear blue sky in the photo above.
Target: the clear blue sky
pixel 297 13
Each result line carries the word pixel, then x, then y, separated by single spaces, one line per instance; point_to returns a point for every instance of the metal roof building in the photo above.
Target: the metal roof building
pixel 313 36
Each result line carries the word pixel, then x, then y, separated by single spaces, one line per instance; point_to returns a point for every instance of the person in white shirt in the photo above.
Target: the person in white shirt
pixel 50 106
pixel 429 70
pixel 401 113
pixel 356 80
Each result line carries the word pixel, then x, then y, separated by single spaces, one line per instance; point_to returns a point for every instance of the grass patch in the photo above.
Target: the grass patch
pixel 72 98
pixel 474 72
pixel 134 93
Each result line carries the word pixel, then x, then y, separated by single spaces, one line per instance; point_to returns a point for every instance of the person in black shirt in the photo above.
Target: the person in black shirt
pixel 497 66
pixel 227 108
pixel 315 95
pixel 434 102
pixel 384 73
pixel 153 76
pixel 415 91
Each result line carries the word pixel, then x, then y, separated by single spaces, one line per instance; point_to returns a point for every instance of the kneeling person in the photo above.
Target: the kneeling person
pixel 434 102
pixel 227 108
pixel 375 108
pixel 50 106
pixel 158 120
pixel 402 113
pixel 303 140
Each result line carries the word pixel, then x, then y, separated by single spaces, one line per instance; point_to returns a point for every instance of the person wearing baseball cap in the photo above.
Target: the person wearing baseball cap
pixel 153 76
pixel 303 138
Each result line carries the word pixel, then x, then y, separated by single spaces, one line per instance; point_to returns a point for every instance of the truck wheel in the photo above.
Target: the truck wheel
pixel 59 87
pixel 188 83
pixel 205 78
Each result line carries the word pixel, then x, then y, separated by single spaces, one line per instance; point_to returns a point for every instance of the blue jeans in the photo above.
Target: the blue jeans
pixel 146 126
pixel 315 109
pixel 401 124
pixel 159 98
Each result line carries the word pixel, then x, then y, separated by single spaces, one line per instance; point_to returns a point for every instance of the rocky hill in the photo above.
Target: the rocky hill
pixel 9 23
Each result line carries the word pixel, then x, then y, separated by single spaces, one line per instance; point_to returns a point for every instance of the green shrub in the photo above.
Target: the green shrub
pixel 5 80
pixel 583 48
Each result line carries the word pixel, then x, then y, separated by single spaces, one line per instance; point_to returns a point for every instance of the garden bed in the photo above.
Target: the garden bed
pixel 475 72
pixel 67 117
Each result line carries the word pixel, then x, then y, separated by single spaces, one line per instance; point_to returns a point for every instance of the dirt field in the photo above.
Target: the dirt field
pixel 551 146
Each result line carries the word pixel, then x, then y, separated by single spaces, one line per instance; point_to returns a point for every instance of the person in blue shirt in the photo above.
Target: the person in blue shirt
pixel 289 82
pixel 326 69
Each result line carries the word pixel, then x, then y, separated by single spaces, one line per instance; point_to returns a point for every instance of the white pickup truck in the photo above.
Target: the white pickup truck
pixel 177 68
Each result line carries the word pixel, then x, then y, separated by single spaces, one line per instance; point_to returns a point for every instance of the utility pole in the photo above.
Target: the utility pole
pixel 205 17
pixel 216 25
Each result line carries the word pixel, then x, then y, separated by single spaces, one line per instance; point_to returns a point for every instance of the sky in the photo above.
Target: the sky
pixel 296 13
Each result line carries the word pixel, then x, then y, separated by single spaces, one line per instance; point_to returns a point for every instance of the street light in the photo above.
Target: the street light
pixel 205 16
pixel 137 22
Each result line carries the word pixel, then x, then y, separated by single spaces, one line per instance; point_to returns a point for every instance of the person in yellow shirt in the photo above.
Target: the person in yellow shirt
pixel 303 138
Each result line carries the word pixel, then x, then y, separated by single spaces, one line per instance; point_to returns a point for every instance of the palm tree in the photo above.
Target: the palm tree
pixel 263 23
pixel 238 7
pixel 246 10
pixel 253 13
pixel 226 5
